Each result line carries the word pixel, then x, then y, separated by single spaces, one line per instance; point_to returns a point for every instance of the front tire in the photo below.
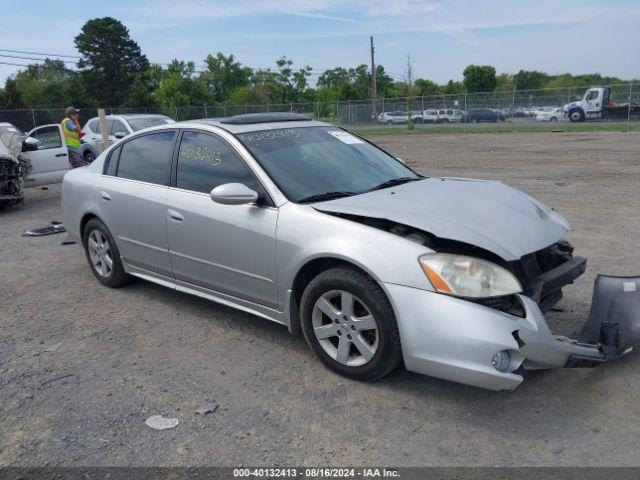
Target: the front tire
pixel 349 323
pixel 89 157
pixel 102 254
pixel 576 115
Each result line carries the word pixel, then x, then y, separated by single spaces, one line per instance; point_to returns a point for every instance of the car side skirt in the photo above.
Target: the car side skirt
pixel 208 294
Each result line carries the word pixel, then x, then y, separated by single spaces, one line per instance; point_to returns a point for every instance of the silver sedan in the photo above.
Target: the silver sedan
pixel 310 226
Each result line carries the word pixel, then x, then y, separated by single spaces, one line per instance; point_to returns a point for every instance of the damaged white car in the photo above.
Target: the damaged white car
pixel 38 158
pixel 310 226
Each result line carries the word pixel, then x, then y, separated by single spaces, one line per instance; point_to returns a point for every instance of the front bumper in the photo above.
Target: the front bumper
pixel 455 339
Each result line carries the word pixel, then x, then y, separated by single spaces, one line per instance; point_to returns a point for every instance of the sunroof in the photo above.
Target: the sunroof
pixel 249 118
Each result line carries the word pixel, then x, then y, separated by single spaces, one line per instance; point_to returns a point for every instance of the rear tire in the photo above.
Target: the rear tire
pixel 358 337
pixel 89 157
pixel 102 254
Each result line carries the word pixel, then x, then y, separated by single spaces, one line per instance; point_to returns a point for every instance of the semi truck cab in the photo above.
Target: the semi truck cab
pixel 597 103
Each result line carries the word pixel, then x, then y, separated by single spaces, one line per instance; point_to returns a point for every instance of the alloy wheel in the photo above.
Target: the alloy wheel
pixel 100 253
pixel 345 328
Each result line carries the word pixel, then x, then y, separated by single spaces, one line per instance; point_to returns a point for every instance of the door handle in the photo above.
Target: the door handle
pixel 105 196
pixel 173 215
pixel 61 155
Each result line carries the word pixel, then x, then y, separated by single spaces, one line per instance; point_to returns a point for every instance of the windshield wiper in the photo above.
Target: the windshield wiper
pixel 395 181
pixel 325 196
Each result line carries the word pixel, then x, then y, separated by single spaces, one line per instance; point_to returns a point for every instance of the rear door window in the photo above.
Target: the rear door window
pixel 147 158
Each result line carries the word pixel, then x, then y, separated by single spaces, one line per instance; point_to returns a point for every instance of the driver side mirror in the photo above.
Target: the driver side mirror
pixel 120 135
pixel 233 194
pixel 29 146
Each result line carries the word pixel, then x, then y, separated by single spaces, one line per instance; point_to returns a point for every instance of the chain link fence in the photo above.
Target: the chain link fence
pixel 522 106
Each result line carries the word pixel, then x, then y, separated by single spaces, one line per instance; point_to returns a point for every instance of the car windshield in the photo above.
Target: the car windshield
pixel 319 163
pixel 146 122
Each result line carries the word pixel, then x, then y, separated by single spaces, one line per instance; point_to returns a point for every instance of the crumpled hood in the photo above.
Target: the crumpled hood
pixel 483 213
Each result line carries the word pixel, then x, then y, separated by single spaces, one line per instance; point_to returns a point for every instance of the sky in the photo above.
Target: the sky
pixel 441 37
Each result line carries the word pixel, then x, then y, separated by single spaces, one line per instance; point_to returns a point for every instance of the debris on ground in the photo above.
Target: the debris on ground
pixel 158 422
pixel 206 408
pixel 55 227
pixel 53 348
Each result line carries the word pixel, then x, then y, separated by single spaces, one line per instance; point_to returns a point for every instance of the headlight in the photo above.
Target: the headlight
pixel 467 276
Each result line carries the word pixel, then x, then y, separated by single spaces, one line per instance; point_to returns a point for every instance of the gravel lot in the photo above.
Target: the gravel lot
pixel 83 366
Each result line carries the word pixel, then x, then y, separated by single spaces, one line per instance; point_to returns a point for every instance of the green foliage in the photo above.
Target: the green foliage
pixel 479 78
pixel 224 75
pixel 504 82
pixel 110 61
pixel 11 95
pixel 45 85
pixel 529 80
pixel 426 87
pixel 180 87
pixel 452 87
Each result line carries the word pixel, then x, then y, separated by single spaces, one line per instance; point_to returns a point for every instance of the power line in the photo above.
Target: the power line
pixel 40 54
pixel 36 59
pixel 14 64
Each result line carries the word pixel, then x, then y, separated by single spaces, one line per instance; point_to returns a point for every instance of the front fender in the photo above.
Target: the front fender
pixel 304 234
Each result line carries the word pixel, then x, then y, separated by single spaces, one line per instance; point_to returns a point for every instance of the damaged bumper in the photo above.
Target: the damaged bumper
pixel 455 339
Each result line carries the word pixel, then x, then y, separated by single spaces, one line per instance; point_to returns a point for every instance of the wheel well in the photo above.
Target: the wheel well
pixel 84 221
pixel 307 273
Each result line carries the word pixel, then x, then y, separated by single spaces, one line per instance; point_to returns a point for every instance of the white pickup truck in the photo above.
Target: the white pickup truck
pixel 38 158
pixel 597 103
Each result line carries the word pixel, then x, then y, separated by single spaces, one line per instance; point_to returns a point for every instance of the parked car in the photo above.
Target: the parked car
pixel 393 118
pixel 305 224
pixel 430 116
pixel 399 117
pixel 476 115
pixel 549 114
pixel 449 115
pixel 119 126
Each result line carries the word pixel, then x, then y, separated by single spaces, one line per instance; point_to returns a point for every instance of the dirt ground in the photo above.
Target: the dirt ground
pixel 83 366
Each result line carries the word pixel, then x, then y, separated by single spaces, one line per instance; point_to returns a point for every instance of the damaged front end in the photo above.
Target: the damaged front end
pixel 14 168
pixel 514 335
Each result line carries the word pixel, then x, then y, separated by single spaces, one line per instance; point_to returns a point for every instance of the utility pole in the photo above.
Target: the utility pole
pixel 374 90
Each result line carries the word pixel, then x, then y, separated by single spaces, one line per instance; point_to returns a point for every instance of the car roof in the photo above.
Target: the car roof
pixel 134 115
pixel 258 121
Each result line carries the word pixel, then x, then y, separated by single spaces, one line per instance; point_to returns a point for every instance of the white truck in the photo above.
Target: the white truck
pixel 38 158
pixel 597 103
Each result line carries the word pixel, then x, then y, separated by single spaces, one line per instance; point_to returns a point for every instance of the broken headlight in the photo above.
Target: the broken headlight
pixel 470 277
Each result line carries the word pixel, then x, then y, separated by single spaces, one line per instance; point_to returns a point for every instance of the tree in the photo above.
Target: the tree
pixel 11 96
pixel 452 87
pixel 45 85
pixel 384 83
pixel 479 78
pixel 180 87
pixel 426 87
pixel 530 80
pixel 141 93
pixel 293 83
pixel 224 75
pixel 110 61
pixel 504 81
